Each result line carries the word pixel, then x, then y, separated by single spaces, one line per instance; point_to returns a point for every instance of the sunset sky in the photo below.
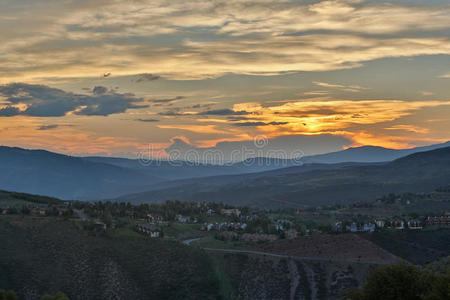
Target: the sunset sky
pixel 110 77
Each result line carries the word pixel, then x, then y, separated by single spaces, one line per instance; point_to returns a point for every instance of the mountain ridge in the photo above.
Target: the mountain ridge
pixel 93 178
pixel 418 172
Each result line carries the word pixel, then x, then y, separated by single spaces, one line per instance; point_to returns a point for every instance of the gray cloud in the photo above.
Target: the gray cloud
pixel 9 111
pixel 249 124
pixel 235 119
pixel 48 127
pixel 223 112
pixel 167 100
pixel 171 113
pixel 147 77
pixel 44 101
pixel 99 90
pixel 147 120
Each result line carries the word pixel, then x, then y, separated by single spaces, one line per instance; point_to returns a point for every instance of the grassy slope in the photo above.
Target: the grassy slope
pixel 45 255
pixel 18 199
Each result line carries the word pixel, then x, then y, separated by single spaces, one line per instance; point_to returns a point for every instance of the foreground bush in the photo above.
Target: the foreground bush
pixel 403 282
pixel 8 295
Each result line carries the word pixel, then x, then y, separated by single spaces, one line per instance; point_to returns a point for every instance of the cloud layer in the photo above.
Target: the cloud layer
pixel 43 101
pixel 202 39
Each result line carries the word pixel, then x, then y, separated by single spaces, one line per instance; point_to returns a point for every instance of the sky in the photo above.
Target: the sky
pixel 123 78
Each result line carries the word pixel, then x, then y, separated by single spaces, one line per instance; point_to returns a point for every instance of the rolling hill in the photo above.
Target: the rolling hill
pixel 299 187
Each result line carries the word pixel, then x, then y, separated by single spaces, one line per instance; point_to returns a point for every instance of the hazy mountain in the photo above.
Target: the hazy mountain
pixel 174 170
pixel 315 184
pixel 368 154
pixel 66 177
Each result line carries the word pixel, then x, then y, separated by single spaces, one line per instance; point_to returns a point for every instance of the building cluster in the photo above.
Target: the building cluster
pixel 398 224
pixel 155 219
pixel 149 230
pixel 443 221
pixel 282 225
pixel 186 219
pixel 224 226
pixel 354 227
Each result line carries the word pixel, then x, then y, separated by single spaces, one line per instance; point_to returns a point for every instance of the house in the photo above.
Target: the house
pixel 338 226
pixel 415 224
pixel 380 223
pixel 62 210
pixel 397 224
pixel 153 218
pixel 210 212
pixel 149 230
pixel 38 211
pixel 368 227
pixel 99 226
pixel 353 227
pixel 230 212
pixel 282 225
pixel 442 221
pixel 182 219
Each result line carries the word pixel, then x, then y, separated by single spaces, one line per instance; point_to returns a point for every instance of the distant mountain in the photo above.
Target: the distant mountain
pixel 175 170
pixel 314 184
pixel 368 154
pixel 91 178
pixel 46 173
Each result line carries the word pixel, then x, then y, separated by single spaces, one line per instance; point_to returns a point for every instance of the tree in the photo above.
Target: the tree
pixel 403 282
pixel 396 282
pixel 440 287
pixel 8 295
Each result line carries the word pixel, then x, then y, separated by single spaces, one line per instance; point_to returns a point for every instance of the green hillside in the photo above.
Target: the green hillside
pixel 14 199
pixel 45 255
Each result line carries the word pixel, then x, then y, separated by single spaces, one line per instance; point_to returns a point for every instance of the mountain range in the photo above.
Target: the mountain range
pixel 92 178
pixel 313 184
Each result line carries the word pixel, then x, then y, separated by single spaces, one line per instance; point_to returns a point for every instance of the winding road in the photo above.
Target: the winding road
pixel 236 251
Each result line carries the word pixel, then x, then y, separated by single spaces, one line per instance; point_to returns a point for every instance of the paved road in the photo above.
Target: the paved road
pixel 294 257
pixel 188 242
